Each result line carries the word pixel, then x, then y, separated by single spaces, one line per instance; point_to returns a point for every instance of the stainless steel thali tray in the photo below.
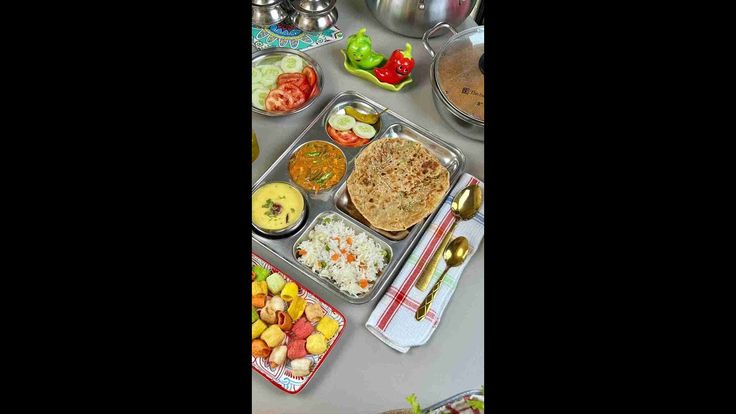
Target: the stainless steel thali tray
pixel 336 200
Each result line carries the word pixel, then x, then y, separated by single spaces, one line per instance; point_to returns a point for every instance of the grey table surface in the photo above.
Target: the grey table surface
pixel 362 374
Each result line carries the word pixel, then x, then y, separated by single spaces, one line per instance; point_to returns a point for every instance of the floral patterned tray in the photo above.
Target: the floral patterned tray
pixel 284 35
pixel 281 376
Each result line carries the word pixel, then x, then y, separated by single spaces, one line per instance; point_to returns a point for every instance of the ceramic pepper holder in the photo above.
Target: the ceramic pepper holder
pixel 362 61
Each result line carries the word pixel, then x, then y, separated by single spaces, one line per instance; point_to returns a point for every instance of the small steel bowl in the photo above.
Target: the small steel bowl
pixel 268 12
pixel 277 53
pixel 311 20
pixel 291 228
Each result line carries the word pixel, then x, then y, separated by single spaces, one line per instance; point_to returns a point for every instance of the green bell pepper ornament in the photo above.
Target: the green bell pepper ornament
pixel 360 51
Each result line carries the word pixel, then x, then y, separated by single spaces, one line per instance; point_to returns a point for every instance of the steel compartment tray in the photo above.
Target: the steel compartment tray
pixel 336 199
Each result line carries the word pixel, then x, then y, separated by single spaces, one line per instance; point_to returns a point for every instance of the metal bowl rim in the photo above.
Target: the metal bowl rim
pixel 312 62
pixel 291 228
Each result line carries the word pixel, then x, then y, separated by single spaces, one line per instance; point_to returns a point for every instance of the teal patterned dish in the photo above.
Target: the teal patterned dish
pixel 287 36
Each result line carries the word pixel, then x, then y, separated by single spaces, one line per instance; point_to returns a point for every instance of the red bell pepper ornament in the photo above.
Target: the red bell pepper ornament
pixel 397 68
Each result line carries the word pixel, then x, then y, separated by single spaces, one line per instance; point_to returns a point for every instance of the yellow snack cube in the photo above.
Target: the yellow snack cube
pixel 316 343
pixel 257 328
pixel 327 326
pixel 289 291
pixel 273 336
pixel 259 287
pixel 296 309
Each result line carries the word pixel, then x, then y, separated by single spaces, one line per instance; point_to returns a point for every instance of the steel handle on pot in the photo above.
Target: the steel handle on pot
pixel 430 32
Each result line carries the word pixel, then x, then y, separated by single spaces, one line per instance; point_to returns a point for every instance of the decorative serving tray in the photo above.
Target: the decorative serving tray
pixel 281 376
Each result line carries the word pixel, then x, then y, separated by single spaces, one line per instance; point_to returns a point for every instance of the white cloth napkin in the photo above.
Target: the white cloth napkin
pixel 393 321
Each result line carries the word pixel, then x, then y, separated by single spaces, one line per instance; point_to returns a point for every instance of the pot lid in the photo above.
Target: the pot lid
pixel 314 6
pixel 459 72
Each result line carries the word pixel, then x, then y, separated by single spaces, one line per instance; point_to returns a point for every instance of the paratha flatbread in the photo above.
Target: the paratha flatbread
pixel 396 183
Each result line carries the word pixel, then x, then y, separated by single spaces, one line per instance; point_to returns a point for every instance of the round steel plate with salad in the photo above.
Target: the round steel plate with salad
pixel 284 81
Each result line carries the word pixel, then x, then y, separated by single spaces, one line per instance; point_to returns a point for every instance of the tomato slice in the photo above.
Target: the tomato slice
pixel 306 89
pixel 310 74
pixel 344 138
pixel 296 78
pixel 361 142
pixel 277 100
pixel 294 95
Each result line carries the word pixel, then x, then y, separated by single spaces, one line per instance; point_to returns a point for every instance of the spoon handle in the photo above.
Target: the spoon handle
pixel 423 308
pixel 428 272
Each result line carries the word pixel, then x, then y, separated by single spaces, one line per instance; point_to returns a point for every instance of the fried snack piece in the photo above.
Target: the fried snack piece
pixel 297 349
pixel 300 367
pixel 316 344
pixel 290 291
pixel 273 335
pixel 257 328
pixel 302 329
pixel 278 356
pixel 253 314
pixel 275 283
pixel 259 300
pixel 259 287
pixel 277 304
pixel 283 320
pixel 314 312
pixel 260 349
pixel 296 309
pixel 268 315
pixel 328 327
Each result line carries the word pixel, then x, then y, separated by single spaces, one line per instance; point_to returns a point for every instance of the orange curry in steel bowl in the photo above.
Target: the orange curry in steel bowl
pixel 317 166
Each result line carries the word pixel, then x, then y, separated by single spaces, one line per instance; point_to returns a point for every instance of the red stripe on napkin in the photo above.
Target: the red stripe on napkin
pixel 411 304
pixel 418 267
pixel 409 281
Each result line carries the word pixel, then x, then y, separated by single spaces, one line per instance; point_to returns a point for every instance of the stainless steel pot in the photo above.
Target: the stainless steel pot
pixel 413 17
pixel 456 74
pixel 268 12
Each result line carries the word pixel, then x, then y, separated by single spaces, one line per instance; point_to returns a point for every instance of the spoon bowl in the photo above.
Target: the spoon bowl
pixel 456 252
pixel 466 204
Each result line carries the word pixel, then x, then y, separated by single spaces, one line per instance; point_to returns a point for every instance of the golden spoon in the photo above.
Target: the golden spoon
pixel 454 255
pixel 465 206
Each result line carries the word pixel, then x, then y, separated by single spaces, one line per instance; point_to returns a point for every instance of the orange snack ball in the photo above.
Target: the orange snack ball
pixel 283 320
pixel 260 349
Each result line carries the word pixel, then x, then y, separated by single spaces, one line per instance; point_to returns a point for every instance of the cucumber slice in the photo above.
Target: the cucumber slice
pixel 259 98
pixel 364 130
pixel 341 122
pixel 255 75
pixel 292 64
pixel 269 73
